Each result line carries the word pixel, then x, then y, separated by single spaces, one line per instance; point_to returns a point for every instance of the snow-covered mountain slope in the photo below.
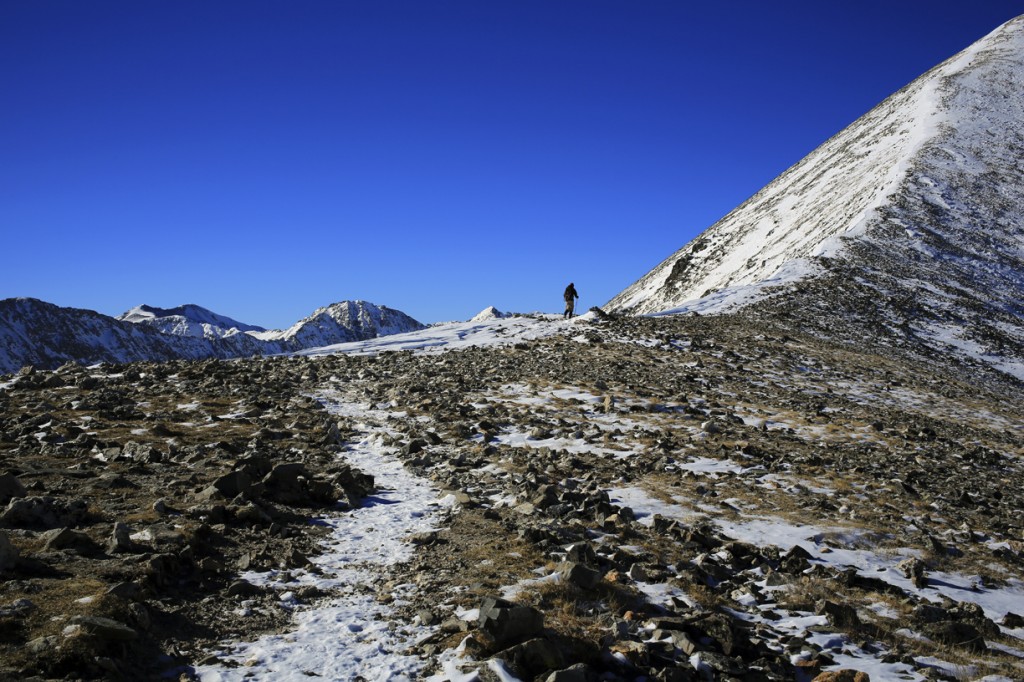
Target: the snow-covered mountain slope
pixel 341 322
pixel 34 332
pixel 488 313
pixel 910 221
pixel 187 320
pixel 491 332
pixel 939 157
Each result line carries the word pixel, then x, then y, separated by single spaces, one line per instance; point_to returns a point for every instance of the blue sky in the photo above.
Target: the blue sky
pixel 263 159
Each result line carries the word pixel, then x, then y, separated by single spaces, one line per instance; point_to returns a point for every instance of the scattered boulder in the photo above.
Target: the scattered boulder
pixel 844 675
pixel 67 539
pixel 1012 620
pixel 506 623
pixel 579 672
pixel 104 629
pixel 533 657
pixel 43 513
pixel 8 554
pixel 841 616
pixel 580 575
pixel 914 569
pixel 121 541
pixel 10 487
pixel 957 633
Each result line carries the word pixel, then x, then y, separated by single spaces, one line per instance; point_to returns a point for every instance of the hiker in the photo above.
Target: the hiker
pixel 570 300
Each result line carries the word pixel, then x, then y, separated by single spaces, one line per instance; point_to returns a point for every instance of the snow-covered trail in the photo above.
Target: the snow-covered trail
pixel 350 637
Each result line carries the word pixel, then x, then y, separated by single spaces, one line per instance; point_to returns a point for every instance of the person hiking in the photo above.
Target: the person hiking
pixel 570 300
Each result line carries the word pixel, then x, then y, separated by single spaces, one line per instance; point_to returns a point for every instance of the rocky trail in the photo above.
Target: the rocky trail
pixel 676 498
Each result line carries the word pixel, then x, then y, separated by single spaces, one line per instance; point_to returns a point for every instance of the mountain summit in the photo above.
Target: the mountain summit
pixel 187 320
pixel 37 333
pixel 916 210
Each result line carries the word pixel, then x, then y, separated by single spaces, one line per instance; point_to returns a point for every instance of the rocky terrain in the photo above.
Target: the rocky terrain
pixel 683 498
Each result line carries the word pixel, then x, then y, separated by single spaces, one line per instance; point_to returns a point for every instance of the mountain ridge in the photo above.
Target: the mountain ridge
pixel 915 205
pixel 44 335
pixel 187 320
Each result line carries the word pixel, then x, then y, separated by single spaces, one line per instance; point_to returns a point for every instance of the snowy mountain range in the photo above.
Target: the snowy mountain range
pixel 34 332
pixel 187 320
pixel 913 216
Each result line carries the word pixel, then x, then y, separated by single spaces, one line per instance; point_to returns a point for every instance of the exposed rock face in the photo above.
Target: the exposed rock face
pixel 911 216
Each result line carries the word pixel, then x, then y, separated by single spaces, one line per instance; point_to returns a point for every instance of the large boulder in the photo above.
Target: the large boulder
pixel 8 554
pixel 507 623
pixel 10 487
pixel 43 513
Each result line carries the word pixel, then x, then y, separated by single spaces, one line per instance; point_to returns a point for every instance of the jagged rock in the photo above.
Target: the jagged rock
pixel 581 553
pixel 844 675
pixel 637 573
pixel 507 623
pixel 105 629
pixel 580 575
pixel 18 608
pixel 243 588
pixel 233 484
pixel 914 569
pixel 65 538
pixel 125 590
pixel 957 633
pixel 534 656
pixel 681 640
pixel 579 672
pixel 43 513
pixel 10 487
pixel 842 616
pixel 929 613
pixel 121 541
pixel 1012 620
pixel 710 662
pixel 251 513
pixel 8 554
pixel 42 646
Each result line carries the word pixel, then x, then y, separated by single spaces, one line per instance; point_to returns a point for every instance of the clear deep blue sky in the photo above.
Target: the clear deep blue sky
pixel 265 158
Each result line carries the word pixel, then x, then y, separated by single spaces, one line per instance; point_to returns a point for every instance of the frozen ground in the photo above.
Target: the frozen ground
pixel 350 637
pixel 486 333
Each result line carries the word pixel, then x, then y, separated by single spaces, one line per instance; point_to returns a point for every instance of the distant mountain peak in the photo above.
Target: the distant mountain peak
pixel 187 320
pixel 343 321
pixel 488 313
pixel 33 332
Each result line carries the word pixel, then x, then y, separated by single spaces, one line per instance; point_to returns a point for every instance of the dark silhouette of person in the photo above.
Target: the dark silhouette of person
pixel 570 297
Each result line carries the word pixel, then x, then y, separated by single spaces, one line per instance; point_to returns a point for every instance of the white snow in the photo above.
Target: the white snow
pixel 187 320
pixel 488 313
pixel 346 319
pixel 927 187
pixel 838 547
pixel 352 636
pixel 458 335
pixel 831 195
